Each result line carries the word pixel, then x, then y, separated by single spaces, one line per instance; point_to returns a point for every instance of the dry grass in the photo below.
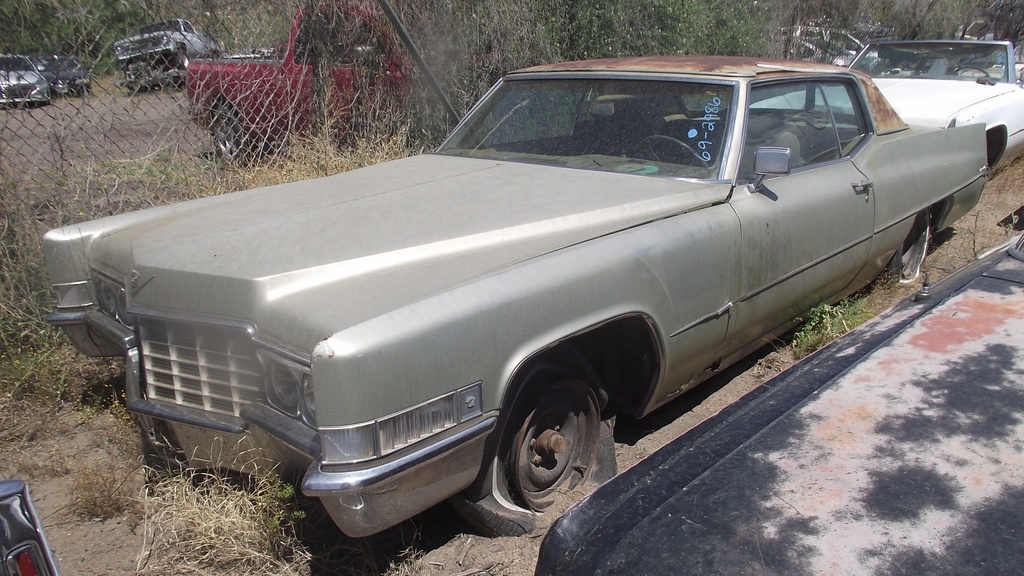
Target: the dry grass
pixel 313 157
pixel 104 489
pixel 52 400
pixel 206 523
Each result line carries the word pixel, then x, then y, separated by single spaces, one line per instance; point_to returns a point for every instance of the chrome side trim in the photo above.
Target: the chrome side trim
pixel 710 316
pixel 366 500
pixel 804 268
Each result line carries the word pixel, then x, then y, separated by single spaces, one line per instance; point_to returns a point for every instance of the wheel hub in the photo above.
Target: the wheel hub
pixel 556 443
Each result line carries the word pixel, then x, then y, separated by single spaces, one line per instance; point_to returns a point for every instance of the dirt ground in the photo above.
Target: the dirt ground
pixel 87 441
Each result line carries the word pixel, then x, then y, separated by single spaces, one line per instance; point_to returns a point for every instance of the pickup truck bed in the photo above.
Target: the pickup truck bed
pixel 897 450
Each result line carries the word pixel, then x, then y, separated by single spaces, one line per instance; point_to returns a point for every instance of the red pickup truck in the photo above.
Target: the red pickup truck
pixel 251 103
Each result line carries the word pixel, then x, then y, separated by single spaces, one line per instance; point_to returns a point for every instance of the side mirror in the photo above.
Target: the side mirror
pixel 770 161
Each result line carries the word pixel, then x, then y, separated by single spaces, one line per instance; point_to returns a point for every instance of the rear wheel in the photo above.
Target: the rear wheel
pixel 906 262
pixel 228 134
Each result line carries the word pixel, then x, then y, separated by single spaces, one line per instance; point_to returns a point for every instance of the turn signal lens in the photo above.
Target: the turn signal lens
pixel 348 444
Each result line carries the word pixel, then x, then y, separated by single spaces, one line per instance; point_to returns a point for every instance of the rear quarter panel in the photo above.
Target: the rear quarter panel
pixel 920 167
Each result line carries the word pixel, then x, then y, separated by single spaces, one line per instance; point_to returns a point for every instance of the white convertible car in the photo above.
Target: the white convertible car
pixel 948 83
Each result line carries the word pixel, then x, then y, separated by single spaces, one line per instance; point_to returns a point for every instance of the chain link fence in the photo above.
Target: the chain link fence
pixel 118 116
pixel 123 118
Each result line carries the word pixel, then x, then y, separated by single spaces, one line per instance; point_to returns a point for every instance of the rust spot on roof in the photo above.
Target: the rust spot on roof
pixel 886 118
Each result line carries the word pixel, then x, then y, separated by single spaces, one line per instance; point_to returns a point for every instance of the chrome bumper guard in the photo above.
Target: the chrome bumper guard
pixel 366 500
pixel 94 333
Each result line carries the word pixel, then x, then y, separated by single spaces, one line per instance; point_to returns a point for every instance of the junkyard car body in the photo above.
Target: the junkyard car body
pixel 65 74
pixel 21 82
pixel 951 83
pixel 894 450
pixel 381 332
pixel 24 549
pixel 253 102
pixel 161 52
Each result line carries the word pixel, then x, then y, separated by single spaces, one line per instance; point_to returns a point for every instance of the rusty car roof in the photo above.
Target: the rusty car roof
pixel 886 118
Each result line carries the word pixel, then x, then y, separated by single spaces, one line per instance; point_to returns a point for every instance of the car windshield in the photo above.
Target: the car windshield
pixel 169 26
pixel 649 127
pixel 944 60
pixel 16 64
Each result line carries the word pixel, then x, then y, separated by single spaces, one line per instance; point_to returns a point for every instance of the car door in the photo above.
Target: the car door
pixel 804 235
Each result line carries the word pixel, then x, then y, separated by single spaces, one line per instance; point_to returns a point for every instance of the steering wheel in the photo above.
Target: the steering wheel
pixel 679 149
pixel 959 71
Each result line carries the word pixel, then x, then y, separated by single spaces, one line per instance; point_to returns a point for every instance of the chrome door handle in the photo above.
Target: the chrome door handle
pixel 864 187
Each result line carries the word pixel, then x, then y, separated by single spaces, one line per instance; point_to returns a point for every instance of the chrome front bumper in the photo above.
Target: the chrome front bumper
pixel 369 499
pixel 362 499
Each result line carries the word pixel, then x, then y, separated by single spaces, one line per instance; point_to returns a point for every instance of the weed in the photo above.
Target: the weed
pixel 828 322
pixel 209 520
pixel 104 489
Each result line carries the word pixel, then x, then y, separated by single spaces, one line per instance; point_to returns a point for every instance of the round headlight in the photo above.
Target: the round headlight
pixel 108 297
pixel 284 387
pixel 308 406
pixel 113 302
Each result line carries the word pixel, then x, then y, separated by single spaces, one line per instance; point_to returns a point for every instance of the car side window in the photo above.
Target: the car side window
pixel 818 122
pixel 846 113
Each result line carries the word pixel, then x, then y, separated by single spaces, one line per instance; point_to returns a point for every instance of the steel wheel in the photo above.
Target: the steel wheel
pixel 556 444
pixel 906 264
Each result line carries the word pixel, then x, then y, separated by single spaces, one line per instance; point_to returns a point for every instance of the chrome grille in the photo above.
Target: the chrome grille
pixel 20 91
pixel 213 368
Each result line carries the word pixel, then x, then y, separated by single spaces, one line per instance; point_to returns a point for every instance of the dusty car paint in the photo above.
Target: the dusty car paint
pixel 425 294
pixel 895 450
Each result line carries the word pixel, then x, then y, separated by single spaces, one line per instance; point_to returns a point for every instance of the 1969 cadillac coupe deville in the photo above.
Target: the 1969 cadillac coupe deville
pixel 593 239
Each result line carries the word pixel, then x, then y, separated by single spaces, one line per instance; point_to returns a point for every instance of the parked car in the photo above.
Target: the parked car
pixel 160 53
pixel 594 238
pixel 951 83
pixel 21 83
pixel 896 450
pixel 65 74
pixel 24 549
pixel 254 101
